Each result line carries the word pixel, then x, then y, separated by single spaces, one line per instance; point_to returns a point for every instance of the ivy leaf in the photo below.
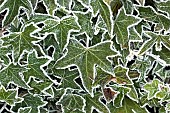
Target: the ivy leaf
pixel 35 102
pixel 121 25
pixel 152 88
pixel 105 12
pixel 85 23
pixel 67 78
pixel 65 3
pixel 11 73
pixel 155 38
pixel 51 6
pixel 24 110
pixel 34 67
pixel 72 102
pixel 164 54
pixel 3 54
pixel 164 6
pixel 121 74
pixel 163 93
pixel 150 14
pixel 9 96
pixel 21 40
pixel 86 58
pixel 167 107
pixel 94 102
pixel 61 29
pixel 128 108
pixel 13 7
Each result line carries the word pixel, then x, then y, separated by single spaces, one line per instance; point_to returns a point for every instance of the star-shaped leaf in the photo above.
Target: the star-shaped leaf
pixel 21 40
pixel 34 102
pixel 121 25
pixel 105 12
pixel 9 96
pixel 152 88
pixel 86 58
pixel 13 7
pixel 60 29
pixel 150 14
pixel 155 38
pixel 34 67
pixel 11 73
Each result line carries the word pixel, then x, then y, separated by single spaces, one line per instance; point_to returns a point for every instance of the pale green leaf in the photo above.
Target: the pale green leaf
pixel 9 96
pixel 152 88
pixel 164 6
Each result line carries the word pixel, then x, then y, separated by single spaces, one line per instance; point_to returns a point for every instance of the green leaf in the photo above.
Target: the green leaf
pixel 67 78
pixel 11 73
pixel 72 102
pixel 35 102
pixel 85 23
pixel 61 29
pixel 121 74
pixel 39 87
pixel 3 54
pixel 21 40
pixel 24 110
pixel 128 106
pixel 150 14
pixel 94 102
pixel 152 88
pixel 86 58
pixel 164 54
pixel 34 67
pixel 9 96
pixel 163 93
pixel 51 6
pixel 65 3
pixel 121 25
pixel 164 6
pixel 155 38
pixel 13 7
pixel 105 12
pixel 167 107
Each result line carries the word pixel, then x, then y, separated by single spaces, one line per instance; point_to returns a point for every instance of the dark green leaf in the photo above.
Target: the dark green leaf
pixel 86 58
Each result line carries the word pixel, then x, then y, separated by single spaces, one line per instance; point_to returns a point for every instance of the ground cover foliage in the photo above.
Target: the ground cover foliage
pixel 85 56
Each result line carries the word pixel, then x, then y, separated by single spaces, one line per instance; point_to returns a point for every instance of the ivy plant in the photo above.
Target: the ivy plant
pixel 85 56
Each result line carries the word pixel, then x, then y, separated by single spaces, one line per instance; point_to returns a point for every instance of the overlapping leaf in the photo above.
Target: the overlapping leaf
pixel 60 29
pixel 13 7
pixel 99 5
pixel 21 40
pixel 12 73
pixel 86 58
pixel 121 25
pixel 9 96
